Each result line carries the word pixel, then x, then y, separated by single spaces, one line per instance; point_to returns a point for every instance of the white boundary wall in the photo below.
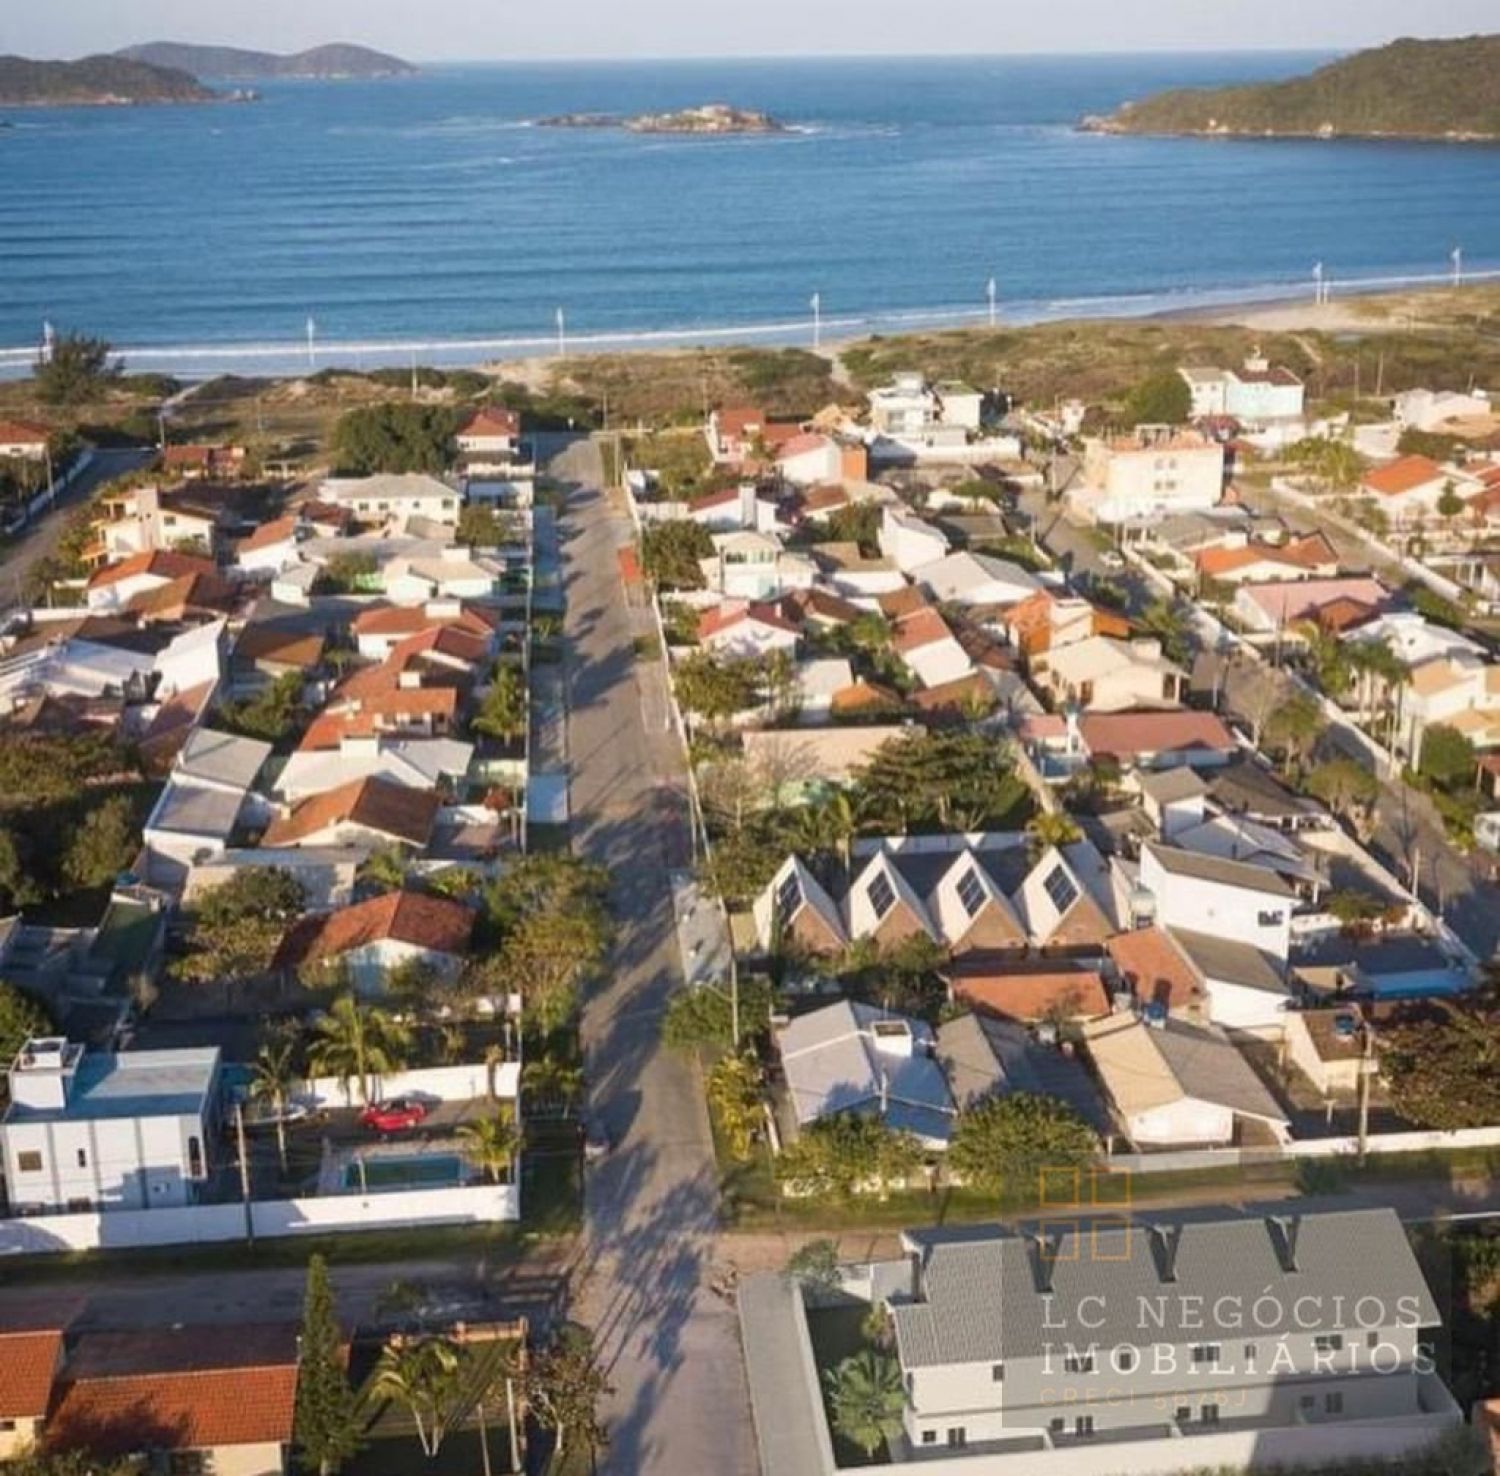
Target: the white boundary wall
pixel 468 1082
pixel 202 1224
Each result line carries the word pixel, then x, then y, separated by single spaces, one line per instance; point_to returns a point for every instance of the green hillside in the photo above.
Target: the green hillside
pixel 1412 89
pixel 237 64
pixel 94 80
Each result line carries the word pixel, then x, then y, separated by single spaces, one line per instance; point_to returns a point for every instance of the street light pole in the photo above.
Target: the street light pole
pixel 817 307
pixel 990 291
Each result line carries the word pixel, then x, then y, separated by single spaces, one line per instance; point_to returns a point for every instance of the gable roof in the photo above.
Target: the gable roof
pixel 793 883
pixel 492 420
pixel 1155 968
pixel 726 616
pixel 1228 962
pixel 1218 869
pixel 437 924
pixel 28 1361
pixel 23 433
pixel 222 757
pixel 1027 991
pixel 985 1057
pixel 377 804
pixel 267 642
pixel 1127 734
pixel 1402 475
pixel 164 563
pixel 268 535
pixel 859 905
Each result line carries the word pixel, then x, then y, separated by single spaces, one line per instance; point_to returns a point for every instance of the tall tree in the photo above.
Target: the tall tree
pixel 1161 398
pixel 103 844
pixel 866 1400
pixel 1007 1142
pixel 504 710
pixel 235 928
pixel 326 1421
pixel 77 370
pixel 22 1018
pixel 491 1145
pixel 1443 1064
pixel 564 1386
pixel 1294 728
pixel 273 1075
pixel 426 1376
pixel 357 1042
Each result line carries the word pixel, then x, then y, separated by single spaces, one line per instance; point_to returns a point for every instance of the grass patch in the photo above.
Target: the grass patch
pixel 646 648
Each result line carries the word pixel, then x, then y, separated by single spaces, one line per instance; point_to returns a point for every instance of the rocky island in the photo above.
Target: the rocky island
pixel 711 118
pixel 337 62
pixel 96 81
pixel 1439 90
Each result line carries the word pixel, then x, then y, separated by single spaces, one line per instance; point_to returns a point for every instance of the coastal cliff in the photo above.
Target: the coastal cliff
pixel 1442 90
pixel 95 81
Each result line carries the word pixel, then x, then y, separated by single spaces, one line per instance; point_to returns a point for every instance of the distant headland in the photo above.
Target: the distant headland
pixel 96 81
pixel 711 118
pixel 1441 90
pixel 234 64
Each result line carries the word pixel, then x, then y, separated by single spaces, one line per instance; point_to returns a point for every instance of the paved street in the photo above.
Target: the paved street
pixel 671 1341
pixel 39 540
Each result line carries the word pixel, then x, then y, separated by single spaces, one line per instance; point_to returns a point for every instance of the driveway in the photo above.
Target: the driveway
pixel 670 1341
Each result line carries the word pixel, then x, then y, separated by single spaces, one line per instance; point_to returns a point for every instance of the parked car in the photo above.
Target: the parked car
pixel 1112 560
pixel 399 1115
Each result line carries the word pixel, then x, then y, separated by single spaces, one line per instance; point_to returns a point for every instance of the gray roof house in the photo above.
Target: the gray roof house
pixel 1139 1347
pixel 852 1057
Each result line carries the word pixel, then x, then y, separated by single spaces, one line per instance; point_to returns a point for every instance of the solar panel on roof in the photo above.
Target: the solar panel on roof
pixel 1059 886
pixel 788 896
pixel 971 891
pixel 882 895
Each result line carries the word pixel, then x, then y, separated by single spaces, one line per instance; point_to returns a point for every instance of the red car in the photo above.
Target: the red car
pixel 398 1115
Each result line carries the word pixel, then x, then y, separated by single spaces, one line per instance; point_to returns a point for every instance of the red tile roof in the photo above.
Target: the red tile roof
pixel 442 640
pixel 376 804
pixel 736 420
pixel 267 642
pixel 920 628
pixel 1026 994
pixel 279 530
pixel 800 445
pixel 863 696
pixel 492 420
pixel 732 612
pixel 402 620
pixel 189 592
pixel 28 1361
pixel 1402 475
pixel 433 923
pixel 23 433
pixel 164 563
pixel 1154 968
pixel 898 603
pixel 329 729
pixel 1126 734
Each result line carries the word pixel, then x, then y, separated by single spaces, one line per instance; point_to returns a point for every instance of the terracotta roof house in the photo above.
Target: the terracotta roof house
pixel 487 424
pixel 864 698
pixel 273 650
pixel 194 596
pixel 1019 991
pixel 191 1396
pixel 795 906
pixel 1156 971
pixel 371 938
pixel 29 1362
pixel 24 438
pixel 113 586
pixel 367 809
pixel 1157 738
pixel 204 461
pixel 742 629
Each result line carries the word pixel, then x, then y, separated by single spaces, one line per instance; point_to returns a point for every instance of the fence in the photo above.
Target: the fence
pixel 465 1083
pixel 269 1219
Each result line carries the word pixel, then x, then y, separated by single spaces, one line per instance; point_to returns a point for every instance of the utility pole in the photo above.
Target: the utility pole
pixel 1366 1071
pixel 239 1137
pixel 510 1410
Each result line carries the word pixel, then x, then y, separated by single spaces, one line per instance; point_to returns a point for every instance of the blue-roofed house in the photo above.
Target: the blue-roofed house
pixel 852 1057
pixel 92 1130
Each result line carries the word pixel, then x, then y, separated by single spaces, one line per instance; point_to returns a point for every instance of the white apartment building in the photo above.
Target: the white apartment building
pixel 1152 472
pixel 1258 394
pixel 94 1130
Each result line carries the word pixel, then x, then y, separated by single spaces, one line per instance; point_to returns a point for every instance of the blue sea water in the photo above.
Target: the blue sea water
pixel 429 216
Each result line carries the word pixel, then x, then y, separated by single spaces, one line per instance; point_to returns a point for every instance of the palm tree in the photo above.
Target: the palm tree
pixel 355 1042
pixel 553 1080
pixel 491 1145
pixel 734 1098
pixel 866 1399
pixel 425 1376
pixel 272 1078
pixel 1055 828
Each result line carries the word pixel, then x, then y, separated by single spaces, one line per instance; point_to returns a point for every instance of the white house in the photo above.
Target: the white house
pixel 492 431
pixel 848 573
pixel 912 410
pixel 417 763
pixel 373 938
pixel 908 541
pixel 750 565
pixel 975 580
pixel 24 440
pixel 1460 691
pixel 1431 410
pixel 94 1130
pixel 1410 488
pixel 741 629
pixel 140 519
pixel 930 650
pixel 207 794
pixel 818 683
pixel 271 547
pixel 1214 895
pixel 454 573
pixel 810 458
pixel 1258 395
pixel 116 585
pixel 1152 472
pixel 392 501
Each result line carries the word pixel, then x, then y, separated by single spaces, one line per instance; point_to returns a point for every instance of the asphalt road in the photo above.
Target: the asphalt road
pixel 40 539
pixel 669 1338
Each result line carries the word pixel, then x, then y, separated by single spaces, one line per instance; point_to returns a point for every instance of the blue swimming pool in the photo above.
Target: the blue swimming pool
pixel 416 1171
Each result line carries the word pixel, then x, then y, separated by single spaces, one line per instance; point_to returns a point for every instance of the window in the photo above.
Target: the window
pixel 187 1463
pixel 929 1437
pixel 1209 1414
pixel 83 1158
pixel 1307 1401
pixel 195 1158
pixel 1060 888
pixel 7 1425
pixel 1078 1363
pixel 1083 1425
pixel 958 1437
pixel 1328 1342
pixel 1372 1340
pixel 1333 1403
pixel 1056 1424
pixel 788 897
pixel 29 1162
pixel 997 1373
pixel 882 895
pixel 80 1206
pixel 1270 919
pixel 1206 1353
pixel 1249 1352
pixel 971 891
pixel 1183 1413
pixel 1124 1360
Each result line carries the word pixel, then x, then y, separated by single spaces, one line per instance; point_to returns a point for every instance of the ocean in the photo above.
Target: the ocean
pixel 428 218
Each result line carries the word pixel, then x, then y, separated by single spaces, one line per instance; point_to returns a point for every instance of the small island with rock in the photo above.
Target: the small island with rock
pixel 715 119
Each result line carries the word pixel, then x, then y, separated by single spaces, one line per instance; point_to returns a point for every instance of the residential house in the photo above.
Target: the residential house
pixel 853 575
pixel 379 628
pixel 912 410
pixel 327 874
pixel 1458 691
pixel 1147 963
pixel 740 433
pixel 24 440
pixel 373 939
pixel 816 683
pixel 1409 489
pixel 984 1058
pixel 1129 1347
pixel 1247 787
pixel 1312 557
pixel 1104 674
pixel 740 630
pixel 392 502
pixel 271 547
pixel 928 648
pixel 1156 740
pixel 1275 606
pixel 415 763
pixel 976 581
pixel 1210 894
pixel 97 1130
pixel 266 651
pixel 1029 992
pixel 196 1397
pixel 850 1057
pixel 370 810
pixel 1046 622
pixel 451 573
pixel 143 519
pixel 205 463
pixel 1258 395
pixel 29 1361
pixel 1417 640
pixel 1328 1047
pixel 1432 410
pixel 115 585
pixel 794 908
pixel 491 434
pixel 908 541
pixel 1151 473
pixel 1176 1085
pixel 810 458
pixel 206 796
pixel 1172 799
pixel 751 565
pixel 1244 988
pixel 802 764
pixel 728 508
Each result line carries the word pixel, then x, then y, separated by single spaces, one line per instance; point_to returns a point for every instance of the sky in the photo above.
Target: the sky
pixel 502 29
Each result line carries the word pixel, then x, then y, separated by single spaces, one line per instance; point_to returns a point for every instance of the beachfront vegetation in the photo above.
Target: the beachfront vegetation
pixel 394 437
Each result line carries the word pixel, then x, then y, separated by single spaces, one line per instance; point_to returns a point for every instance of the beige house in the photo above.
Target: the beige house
pixel 1105 674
